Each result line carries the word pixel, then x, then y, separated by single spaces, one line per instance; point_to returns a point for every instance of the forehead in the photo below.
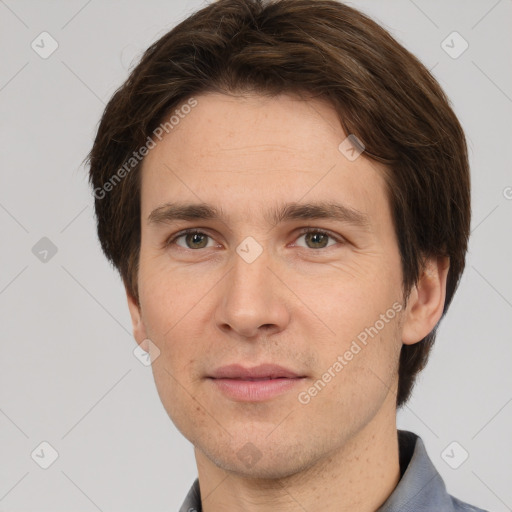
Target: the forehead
pixel 241 152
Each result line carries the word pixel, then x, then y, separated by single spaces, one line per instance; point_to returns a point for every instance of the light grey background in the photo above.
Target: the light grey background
pixel 68 375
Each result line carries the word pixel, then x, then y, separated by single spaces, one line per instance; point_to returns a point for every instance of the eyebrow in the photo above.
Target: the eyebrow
pixel 170 212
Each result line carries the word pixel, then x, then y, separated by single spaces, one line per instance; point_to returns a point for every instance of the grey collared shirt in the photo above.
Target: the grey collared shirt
pixel 420 489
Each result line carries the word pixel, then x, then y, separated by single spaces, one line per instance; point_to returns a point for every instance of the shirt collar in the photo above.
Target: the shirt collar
pixel 421 485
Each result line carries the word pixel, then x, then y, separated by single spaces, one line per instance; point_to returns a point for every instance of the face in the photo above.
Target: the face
pixel 251 288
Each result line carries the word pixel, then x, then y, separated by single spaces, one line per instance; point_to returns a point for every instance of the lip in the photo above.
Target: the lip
pixel 255 384
pixel 267 371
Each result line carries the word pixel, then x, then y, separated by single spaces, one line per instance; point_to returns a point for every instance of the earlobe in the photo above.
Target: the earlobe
pixel 139 329
pixel 426 301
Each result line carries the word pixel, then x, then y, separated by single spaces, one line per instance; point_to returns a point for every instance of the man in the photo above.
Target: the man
pixel 285 192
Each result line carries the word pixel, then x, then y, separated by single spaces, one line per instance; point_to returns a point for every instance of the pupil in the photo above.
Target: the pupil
pixel 196 239
pixel 317 238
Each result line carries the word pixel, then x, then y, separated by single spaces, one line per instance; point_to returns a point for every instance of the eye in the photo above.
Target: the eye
pixel 194 239
pixel 315 238
pixel 318 238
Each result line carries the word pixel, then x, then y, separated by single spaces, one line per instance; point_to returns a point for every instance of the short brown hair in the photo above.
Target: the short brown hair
pixel 382 93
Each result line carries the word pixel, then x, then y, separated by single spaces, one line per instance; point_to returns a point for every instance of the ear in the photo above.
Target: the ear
pixel 139 329
pixel 426 301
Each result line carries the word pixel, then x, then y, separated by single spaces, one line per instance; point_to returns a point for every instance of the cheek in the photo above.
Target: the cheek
pixel 354 377
pixel 346 301
pixel 166 297
pixel 360 343
pixel 167 306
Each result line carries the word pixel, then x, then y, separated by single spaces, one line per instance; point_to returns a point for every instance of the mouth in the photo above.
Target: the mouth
pixel 261 372
pixel 258 379
pixel 255 384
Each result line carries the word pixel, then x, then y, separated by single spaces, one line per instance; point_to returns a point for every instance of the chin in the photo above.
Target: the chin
pixel 274 461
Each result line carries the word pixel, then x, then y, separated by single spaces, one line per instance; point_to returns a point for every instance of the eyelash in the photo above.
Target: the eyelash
pixel 304 231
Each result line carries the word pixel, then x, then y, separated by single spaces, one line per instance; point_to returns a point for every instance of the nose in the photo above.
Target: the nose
pixel 253 301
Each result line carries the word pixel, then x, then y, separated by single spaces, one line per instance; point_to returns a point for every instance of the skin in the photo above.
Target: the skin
pixel 298 305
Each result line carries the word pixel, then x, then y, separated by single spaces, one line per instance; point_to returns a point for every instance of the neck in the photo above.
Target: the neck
pixel 360 475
